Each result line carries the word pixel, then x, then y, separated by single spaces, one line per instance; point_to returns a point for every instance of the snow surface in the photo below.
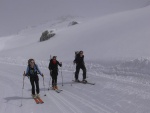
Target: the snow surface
pixel 114 35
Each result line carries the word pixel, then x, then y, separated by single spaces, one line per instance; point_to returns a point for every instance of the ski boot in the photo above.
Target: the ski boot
pixel 84 81
pixel 53 87
pixel 56 87
pixel 38 95
pixel 76 80
pixel 33 96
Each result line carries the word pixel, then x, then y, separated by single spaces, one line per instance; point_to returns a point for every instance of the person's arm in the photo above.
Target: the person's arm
pixel 60 64
pixel 83 59
pixel 50 65
pixel 27 71
pixel 76 59
pixel 38 69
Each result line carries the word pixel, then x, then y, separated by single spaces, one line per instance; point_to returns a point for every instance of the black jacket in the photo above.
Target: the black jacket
pixel 53 66
pixel 79 60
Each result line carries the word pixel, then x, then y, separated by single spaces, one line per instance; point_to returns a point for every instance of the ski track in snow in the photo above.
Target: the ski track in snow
pixel 87 103
pixel 66 104
pixel 111 94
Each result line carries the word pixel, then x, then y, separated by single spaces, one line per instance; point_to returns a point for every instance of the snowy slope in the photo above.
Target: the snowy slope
pixel 117 94
pixel 114 36
pixel 110 37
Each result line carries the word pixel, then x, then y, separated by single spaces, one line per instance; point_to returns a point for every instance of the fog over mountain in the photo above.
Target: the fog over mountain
pixel 16 15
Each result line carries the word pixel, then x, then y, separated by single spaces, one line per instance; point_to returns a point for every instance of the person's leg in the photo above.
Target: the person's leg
pixel 77 72
pixel 56 81
pixel 32 85
pixel 84 72
pixel 53 79
pixel 37 84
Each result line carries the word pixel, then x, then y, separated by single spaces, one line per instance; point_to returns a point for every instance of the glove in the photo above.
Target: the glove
pixel 24 74
pixel 60 64
pixel 74 62
pixel 42 75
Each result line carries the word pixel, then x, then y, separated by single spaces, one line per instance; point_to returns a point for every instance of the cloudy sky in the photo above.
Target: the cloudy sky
pixel 16 15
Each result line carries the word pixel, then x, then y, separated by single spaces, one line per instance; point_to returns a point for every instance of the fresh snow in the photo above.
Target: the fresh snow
pixel 114 35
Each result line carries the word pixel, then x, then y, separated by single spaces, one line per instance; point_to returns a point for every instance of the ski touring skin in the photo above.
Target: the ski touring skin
pixel 84 82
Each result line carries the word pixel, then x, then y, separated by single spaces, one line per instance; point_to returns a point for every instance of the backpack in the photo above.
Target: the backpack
pixel 77 53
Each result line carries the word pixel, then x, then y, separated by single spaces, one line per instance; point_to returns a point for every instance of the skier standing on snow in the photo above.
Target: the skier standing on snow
pixel 79 61
pixel 32 72
pixel 53 67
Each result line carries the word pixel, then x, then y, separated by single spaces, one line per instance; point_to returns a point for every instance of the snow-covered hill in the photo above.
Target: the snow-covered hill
pixel 114 35
pixel 118 35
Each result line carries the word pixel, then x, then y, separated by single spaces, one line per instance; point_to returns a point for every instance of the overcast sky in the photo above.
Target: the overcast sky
pixel 16 15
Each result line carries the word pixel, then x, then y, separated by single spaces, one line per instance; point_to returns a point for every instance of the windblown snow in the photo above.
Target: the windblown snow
pixel 114 35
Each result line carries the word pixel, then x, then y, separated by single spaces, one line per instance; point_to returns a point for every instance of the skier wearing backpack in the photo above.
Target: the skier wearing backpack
pixel 79 61
pixel 53 67
pixel 32 72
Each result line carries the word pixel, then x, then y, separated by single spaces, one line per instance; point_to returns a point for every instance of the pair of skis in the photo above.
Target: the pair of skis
pixel 38 100
pixel 57 90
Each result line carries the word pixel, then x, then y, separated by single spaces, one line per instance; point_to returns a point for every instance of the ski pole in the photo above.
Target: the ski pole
pixel 73 75
pixel 62 77
pixel 44 86
pixel 49 82
pixel 22 88
pixel 50 75
pixel 72 79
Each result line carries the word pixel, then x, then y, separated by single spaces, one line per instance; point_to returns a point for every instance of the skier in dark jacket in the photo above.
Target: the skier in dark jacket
pixel 79 61
pixel 53 67
pixel 32 72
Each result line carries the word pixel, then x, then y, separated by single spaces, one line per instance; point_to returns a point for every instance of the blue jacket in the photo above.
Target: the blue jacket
pixel 36 69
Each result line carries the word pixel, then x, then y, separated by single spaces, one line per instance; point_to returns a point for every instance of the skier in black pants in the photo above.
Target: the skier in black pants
pixel 32 71
pixel 79 61
pixel 53 67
